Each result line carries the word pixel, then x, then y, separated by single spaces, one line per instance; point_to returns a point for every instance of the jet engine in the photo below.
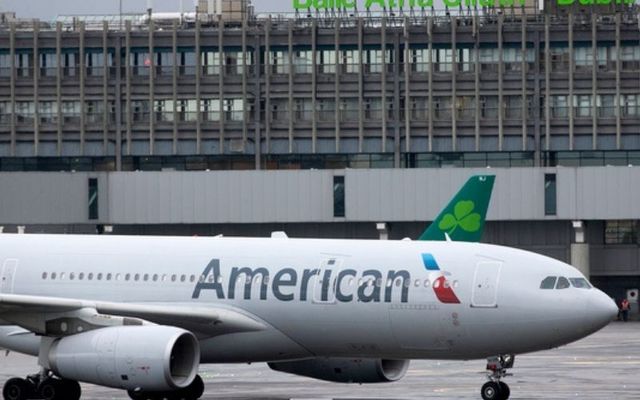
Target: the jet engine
pixel 346 370
pixel 148 358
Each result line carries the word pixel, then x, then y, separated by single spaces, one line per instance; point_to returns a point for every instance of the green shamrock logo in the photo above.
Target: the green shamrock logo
pixel 463 216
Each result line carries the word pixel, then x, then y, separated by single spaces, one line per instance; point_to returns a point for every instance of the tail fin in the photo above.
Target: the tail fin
pixel 463 218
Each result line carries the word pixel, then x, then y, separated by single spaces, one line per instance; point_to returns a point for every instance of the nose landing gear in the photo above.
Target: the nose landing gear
pixel 497 367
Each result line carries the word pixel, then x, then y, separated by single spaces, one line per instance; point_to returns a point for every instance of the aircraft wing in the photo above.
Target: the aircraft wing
pixel 60 317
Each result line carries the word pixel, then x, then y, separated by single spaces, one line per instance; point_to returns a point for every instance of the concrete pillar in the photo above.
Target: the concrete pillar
pixel 580 249
pixel 383 230
pixel 580 257
pixel 454 68
pixel 174 86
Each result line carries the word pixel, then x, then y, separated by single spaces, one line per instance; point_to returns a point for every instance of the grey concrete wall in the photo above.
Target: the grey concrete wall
pixel 420 194
pixel 307 196
pixel 220 197
pixel 599 193
pixel 46 198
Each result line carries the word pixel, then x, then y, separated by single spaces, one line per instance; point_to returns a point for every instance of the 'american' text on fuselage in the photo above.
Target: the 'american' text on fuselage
pixel 321 283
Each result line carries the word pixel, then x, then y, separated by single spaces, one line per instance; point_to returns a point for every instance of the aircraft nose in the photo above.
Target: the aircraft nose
pixel 601 309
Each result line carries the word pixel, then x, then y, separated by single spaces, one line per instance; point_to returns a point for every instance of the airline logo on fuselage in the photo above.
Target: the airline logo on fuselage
pixel 320 285
pixel 441 287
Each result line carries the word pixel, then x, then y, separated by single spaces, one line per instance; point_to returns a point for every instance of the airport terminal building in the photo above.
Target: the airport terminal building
pixel 331 123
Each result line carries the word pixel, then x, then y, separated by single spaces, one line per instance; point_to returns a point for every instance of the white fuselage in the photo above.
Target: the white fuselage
pixel 334 298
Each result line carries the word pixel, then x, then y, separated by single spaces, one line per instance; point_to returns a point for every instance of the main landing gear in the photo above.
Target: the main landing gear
pixel 495 389
pixel 192 392
pixel 42 386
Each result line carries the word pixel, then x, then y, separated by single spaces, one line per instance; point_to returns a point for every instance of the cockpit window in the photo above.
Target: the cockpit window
pixel 580 283
pixel 548 283
pixel 563 283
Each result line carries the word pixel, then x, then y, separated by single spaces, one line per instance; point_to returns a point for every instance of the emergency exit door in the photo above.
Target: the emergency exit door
pixel 7 275
pixel 485 284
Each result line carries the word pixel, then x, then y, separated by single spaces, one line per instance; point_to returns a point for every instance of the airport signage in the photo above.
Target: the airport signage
pixel 384 4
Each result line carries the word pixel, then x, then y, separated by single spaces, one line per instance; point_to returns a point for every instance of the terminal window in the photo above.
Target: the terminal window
pixel 338 196
pixel 93 198
pixel 621 232
pixel 550 198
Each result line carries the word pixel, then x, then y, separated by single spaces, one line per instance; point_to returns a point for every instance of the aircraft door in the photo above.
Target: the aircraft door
pixel 485 284
pixel 8 275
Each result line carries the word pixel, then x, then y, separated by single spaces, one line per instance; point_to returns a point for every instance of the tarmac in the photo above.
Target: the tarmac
pixel 602 366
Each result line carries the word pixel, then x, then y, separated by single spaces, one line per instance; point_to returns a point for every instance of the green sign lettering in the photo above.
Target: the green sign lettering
pixel 382 4
pixel 301 4
pixel 452 3
pixel 369 3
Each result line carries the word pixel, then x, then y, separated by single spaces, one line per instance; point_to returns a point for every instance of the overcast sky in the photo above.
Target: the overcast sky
pixel 49 9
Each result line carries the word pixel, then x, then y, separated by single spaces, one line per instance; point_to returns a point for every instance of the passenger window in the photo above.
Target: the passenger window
pixel 44 275
pixel 81 276
pixel 136 277
pixel 72 276
pixel 418 282
pixel 183 278
pixel 100 276
pixel 53 276
pixel 174 277
pixel 548 282
pixel 192 278
pixel 155 277
pixel 127 277
pixel 427 283
pixel 146 277
pixel 563 283
pixel 109 277
pixel 580 283
pixel 90 276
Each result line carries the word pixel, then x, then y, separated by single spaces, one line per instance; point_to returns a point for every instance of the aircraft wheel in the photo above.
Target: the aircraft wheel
pixel 133 395
pixel 71 389
pixel 53 389
pixel 15 389
pixel 491 391
pixel 196 389
pixel 506 392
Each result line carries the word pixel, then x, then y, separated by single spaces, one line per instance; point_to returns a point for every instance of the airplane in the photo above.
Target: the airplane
pixel 141 313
